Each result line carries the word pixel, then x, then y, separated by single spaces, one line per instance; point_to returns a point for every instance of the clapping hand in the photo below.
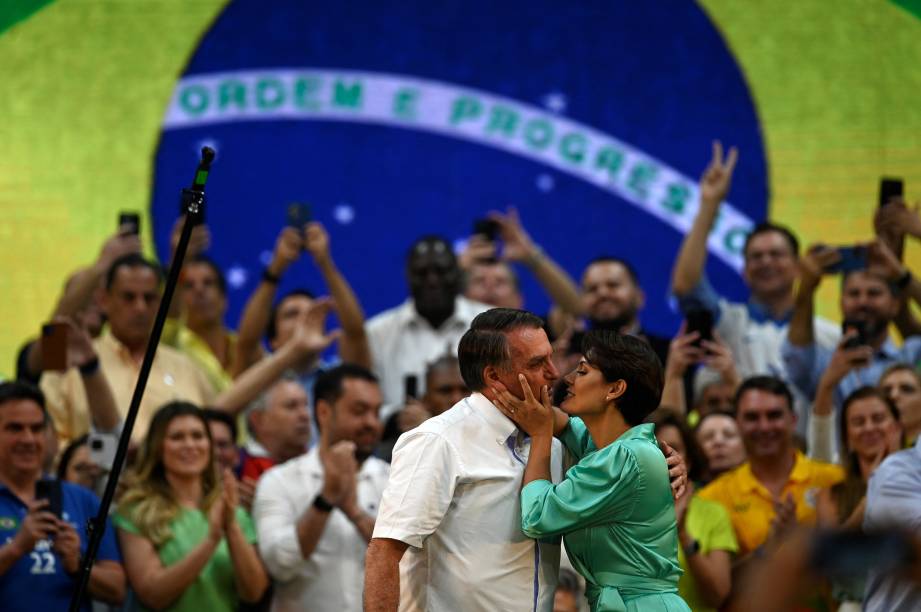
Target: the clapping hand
pixel 340 469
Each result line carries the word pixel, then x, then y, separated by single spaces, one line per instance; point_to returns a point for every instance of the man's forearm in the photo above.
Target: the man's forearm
pixel 79 291
pixel 364 524
pixel 382 579
pixel 800 331
pixel 253 323
pixel 103 409
pixel 255 380
pixel 673 395
pixel 353 346
pixel 692 256
pixel 556 282
pixel 309 530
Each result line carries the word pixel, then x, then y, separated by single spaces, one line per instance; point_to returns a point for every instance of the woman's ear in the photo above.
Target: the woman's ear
pixel 616 390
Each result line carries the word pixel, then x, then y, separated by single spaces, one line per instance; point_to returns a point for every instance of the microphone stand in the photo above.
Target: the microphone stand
pixel 193 200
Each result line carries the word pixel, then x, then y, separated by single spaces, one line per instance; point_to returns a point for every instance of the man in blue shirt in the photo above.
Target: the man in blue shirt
pixel 870 298
pixel 39 552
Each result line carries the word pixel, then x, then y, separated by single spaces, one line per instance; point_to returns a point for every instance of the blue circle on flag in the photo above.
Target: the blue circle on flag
pixel 399 119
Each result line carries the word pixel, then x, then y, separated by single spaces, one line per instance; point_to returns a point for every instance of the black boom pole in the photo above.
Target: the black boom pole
pixel 193 200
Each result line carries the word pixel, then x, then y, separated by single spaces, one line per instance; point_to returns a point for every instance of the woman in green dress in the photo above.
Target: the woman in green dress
pixel 614 508
pixel 186 543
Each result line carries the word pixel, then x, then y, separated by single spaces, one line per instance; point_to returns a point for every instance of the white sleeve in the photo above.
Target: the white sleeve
pixel 894 494
pixel 276 525
pixel 423 475
pixel 821 438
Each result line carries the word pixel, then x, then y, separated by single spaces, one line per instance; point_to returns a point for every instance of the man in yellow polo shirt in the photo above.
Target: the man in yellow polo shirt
pixel 776 487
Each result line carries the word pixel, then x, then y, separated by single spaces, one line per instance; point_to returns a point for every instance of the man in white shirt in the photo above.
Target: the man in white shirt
pixel 754 330
pixel 448 535
pixel 315 514
pixel 405 339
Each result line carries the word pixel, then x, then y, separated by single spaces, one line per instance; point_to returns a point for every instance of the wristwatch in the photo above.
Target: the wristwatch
pixel 322 505
pixel 692 549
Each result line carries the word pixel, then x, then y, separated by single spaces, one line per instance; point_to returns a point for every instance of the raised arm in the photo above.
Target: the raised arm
pixel 714 185
pixel 811 266
pixel 519 247
pixel 309 341
pixel 353 345
pixel 81 286
pixel 682 354
pixel 104 411
pixel 258 309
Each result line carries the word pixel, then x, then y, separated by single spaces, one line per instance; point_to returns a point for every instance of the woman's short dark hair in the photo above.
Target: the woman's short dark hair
pixel 486 344
pixel 696 459
pixel 631 359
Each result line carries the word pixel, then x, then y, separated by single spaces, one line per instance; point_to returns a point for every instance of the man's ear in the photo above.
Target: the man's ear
pixel 490 375
pixel 616 390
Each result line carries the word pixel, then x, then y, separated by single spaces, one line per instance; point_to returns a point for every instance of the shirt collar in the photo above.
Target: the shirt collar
pixel 888 350
pixel 758 313
pixel 501 426
pixel 799 473
pixel 115 345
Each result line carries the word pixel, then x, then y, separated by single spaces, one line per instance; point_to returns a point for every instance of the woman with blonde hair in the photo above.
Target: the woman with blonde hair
pixel 186 543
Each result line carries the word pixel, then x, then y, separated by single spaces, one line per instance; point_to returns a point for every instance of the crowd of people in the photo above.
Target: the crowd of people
pixel 433 455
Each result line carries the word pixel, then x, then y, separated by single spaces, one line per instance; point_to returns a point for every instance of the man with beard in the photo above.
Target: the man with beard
pixel 315 514
pixel 612 299
pixel 774 490
pixel 753 330
pixel 405 339
pixel 869 300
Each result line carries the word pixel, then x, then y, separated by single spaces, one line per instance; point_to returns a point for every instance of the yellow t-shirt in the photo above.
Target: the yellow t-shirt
pixel 751 506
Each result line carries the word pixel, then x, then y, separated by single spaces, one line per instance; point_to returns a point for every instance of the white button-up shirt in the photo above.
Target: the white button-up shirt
pixel 403 343
pixel 453 496
pixel 332 578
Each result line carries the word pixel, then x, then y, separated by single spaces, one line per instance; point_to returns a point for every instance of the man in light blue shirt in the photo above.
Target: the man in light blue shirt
pixel 868 299
pixel 894 501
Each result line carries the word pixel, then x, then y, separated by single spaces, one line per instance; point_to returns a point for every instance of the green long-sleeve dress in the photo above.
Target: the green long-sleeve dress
pixel 617 517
